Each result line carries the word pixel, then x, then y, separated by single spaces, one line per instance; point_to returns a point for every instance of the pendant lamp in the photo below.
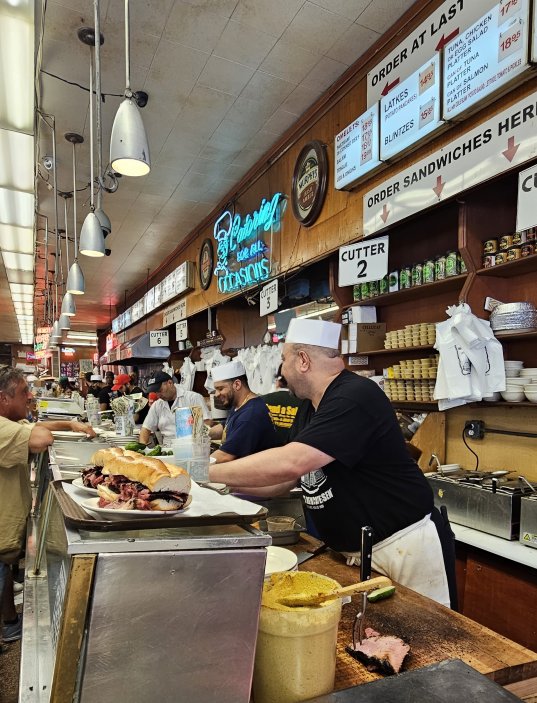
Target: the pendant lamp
pixel 64 323
pixel 68 302
pixel 75 279
pixel 129 150
pixel 91 234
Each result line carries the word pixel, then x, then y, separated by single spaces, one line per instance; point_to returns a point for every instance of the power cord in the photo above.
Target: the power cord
pixel 471 450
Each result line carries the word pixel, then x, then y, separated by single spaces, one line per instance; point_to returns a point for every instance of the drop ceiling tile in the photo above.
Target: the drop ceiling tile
pixel 143 46
pixel 223 7
pixel 203 209
pixel 300 99
pixel 303 30
pixel 248 157
pixel 163 181
pixel 175 69
pixel 272 17
pixel 227 129
pixel 381 14
pixel 244 44
pixel 324 74
pixel 280 121
pixel 206 108
pixel 263 139
pixel 351 9
pixel 227 76
pixel 356 40
pixel 150 14
pixel 288 61
pixel 245 110
pixel 84 6
pixel 194 26
pixel 208 166
pixel 219 154
pixel 267 89
pixel 235 172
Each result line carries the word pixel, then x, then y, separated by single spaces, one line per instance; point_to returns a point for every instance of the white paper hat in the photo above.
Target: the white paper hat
pixel 318 333
pixel 224 372
pixel 96 377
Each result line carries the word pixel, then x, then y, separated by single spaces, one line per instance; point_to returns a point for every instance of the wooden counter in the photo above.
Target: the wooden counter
pixel 434 632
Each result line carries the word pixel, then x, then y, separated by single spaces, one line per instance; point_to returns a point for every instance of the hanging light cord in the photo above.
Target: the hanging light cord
pixel 127 52
pixel 74 201
pixel 92 205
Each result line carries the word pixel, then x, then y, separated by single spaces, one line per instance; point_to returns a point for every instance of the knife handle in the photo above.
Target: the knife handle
pixel 366 551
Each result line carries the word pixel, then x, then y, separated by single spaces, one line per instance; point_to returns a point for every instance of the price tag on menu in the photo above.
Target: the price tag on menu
pixel 159 338
pixel 363 261
pixel 268 300
pixel 510 40
pixel 508 9
pixel 181 331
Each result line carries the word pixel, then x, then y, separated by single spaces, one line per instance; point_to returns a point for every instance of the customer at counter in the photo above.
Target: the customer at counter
pixel 106 391
pixel 282 406
pixel 18 438
pixel 160 417
pixel 349 453
pixel 95 385
pixel 248 427
pixel 125 384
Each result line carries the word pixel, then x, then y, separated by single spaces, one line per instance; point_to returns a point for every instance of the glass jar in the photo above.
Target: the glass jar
pixel 417 274
pixel 500 258
pixel 374 289
pixel 506 242
pixel 527 249
pixel 428 271
pixel 490 246
pixel 452 268
pixel 384 286
pixel 405 278
pixel 440 268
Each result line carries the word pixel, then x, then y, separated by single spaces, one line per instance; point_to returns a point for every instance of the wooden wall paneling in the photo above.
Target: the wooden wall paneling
pixel 430 438
pixel 494 451
pixel 501 595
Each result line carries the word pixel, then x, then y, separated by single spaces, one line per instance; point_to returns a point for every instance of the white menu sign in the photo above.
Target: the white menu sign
pixel 268 298
pixel 485 57
pixel 411 111
pixel 526 214
pixel 159 338
pixel 363 261
pixel 357 149
pixel 174 313
pixel 181 330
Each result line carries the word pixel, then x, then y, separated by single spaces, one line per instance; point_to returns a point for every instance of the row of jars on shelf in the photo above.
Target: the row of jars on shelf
pixel 433 269
pixel 509 247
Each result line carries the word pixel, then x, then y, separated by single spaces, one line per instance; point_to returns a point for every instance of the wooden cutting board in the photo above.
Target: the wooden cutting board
pixel 434 633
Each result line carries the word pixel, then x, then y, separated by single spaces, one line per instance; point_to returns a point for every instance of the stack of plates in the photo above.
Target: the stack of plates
pixel 514 316
pixel 280 559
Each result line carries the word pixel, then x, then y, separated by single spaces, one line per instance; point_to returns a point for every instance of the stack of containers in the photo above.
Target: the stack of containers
pixel 421 334
pixel 412 380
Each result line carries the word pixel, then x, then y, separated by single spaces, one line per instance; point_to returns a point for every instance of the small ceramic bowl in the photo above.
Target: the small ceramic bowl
pixel 515 396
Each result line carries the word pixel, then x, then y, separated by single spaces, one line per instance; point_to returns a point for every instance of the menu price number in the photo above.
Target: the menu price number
pixel 426 79
pixel 508 8
pixel 159 338
pixel 426 112
pixel 510 41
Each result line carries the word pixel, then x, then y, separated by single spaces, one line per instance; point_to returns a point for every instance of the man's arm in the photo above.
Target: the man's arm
pixel 272 467
pixel 221 457
pixel 40 438
pixel 216 431
pixel 68 425
pixel 145 435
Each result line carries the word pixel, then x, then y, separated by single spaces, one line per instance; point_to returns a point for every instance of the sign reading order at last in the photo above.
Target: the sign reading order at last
pixel 363 261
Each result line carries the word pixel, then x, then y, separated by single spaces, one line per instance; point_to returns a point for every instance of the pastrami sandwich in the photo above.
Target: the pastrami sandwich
pixel 133 482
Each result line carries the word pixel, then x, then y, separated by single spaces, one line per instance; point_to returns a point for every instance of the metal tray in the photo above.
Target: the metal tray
pixel 282 536
pixel 75 516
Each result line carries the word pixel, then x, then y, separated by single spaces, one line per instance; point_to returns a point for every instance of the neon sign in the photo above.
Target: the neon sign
pixel 235 267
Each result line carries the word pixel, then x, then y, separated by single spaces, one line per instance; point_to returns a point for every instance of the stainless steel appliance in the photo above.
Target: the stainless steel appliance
pixel 481 501
pixel 528 520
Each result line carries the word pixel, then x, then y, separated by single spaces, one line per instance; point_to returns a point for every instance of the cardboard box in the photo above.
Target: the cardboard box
pixel 363 313
pixel 370 336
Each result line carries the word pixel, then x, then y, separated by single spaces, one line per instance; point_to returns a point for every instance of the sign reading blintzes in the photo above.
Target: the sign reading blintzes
pixel 242 254
pixel 412 111
pixel 485 57
pixel 357 149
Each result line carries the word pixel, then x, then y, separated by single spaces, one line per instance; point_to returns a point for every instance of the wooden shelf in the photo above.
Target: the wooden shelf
pixel 513 334
pixel 448 284
pixel 502 403
pixel 511 268
pixel 418 405
pixel 398 351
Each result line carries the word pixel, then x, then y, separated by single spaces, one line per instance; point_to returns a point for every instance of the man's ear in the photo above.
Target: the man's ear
pixel 303 360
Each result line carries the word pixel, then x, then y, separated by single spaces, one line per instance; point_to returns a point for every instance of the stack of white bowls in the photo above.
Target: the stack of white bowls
pixel 514 385
pixel 529 376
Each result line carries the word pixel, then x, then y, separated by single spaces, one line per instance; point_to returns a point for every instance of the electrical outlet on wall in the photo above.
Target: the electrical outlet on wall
pixel 474 429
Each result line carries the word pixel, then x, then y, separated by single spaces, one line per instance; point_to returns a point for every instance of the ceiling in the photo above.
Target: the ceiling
pixel 225 79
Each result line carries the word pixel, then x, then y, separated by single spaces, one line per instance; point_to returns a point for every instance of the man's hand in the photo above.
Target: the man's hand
pixel 77 426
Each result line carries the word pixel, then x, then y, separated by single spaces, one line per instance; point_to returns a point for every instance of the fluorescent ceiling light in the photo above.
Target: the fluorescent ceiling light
pixel 73 334
pixel 14 238
pixel 22 288
pixel 23 308
pixel 21 262
pixel 16 65
pixel 22 277
pixel 16 208
pixel 80 344
pixel 22 297
pixel 321 311
pixel 16 159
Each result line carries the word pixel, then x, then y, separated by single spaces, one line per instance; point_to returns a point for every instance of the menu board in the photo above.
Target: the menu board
pixel 168 287
pixel 158 294
pixel 487 56
pixel 183 277
pixel 115 325
pixel 357 149
pixel 127 317
pixel 411 110
pixel 149 301
pixel 137 310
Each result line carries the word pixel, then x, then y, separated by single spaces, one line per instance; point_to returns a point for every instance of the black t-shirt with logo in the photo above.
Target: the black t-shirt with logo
pixel 373 480
pixel 282 406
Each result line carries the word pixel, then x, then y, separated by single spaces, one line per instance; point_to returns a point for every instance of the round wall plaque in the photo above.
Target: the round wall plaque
pixel 310 181
pixel 206 263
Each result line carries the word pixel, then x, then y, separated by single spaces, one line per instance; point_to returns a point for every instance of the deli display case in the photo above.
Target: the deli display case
pixel 159 610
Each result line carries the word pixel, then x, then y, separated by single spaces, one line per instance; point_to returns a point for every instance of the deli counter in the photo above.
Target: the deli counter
pixel 163 613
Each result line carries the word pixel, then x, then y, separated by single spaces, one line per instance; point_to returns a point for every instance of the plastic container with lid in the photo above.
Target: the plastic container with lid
pixel 295 656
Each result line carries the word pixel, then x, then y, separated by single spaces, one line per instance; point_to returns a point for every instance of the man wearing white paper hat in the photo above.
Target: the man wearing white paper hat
pixel 349 453
pixel 248 427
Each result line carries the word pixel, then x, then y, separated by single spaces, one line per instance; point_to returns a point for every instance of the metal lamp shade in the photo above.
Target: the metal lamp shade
pixel 68 305
pixel 55 335
pixel 104 220
pixel 64 322
pixel 75 280
pixel 129 150
pixel 91 236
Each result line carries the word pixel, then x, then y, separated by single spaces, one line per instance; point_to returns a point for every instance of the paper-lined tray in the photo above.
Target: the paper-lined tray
pixel 207 508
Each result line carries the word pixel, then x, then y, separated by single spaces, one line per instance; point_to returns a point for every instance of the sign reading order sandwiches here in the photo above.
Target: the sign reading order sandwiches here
pixel 486 56
pixel 497 145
